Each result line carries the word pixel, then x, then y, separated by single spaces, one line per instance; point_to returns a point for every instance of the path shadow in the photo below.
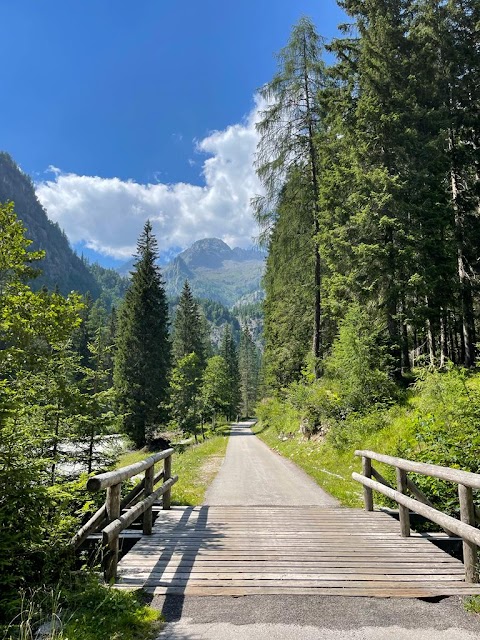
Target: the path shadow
pixel 178 543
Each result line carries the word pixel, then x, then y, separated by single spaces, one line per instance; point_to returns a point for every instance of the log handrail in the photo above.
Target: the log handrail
pixel 465 527
pixel 467 478
pixel 109 518
pixel 108 479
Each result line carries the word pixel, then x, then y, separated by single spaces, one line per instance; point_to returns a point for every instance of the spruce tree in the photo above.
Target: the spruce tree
pixel 143 348
pixel 249 359
pixel 228 351
pixel 188 329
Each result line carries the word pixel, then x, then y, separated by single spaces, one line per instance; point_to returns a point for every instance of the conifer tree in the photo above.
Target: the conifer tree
pixel 249 359
pixel 188 328
pixel 143 348
pixel 228 351
pixel 288 128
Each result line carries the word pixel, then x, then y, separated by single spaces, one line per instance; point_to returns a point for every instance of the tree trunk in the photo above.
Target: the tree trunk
pixel 317 338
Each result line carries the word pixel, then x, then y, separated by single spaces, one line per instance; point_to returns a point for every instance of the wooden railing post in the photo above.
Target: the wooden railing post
pixel 167 474
pixel 470 550
pixel 147 514
pixel 110 558
pixel 403 512
pixel 367 492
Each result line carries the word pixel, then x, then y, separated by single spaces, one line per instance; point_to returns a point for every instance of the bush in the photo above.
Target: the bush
pixel 445 429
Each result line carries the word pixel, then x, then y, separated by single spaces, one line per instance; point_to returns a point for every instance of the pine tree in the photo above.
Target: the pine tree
pixel 228 351
pixel 143 349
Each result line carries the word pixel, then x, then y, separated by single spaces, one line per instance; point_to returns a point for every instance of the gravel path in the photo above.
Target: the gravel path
pixel 252 474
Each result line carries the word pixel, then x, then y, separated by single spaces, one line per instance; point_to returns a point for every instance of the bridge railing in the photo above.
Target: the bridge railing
pixel 466 481
pixel 109 518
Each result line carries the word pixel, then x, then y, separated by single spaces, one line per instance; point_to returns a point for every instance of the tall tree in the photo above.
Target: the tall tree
pixel 185 394
pixel 249 358
pixel 287 129
pixel 215 388
pixel 228 351
pixel 143 348
pixel 188 336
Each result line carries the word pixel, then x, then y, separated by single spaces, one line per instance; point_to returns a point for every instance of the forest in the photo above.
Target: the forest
pixel 369 156
pixel 370 161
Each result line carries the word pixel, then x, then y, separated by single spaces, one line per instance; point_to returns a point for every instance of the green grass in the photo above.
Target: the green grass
pixel 86 610
pixel 472 604
pixel 331 467
pixel 196 467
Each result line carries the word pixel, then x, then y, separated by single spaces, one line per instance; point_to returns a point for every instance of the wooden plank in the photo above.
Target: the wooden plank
pixel 413 592
pixel 239 550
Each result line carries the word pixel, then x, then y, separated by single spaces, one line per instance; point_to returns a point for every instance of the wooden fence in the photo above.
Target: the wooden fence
pixel 466 481
pixel 109 518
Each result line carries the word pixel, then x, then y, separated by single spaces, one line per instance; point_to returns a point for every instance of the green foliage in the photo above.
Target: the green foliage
pixel 85 610
pixel 359 364
pixel 249 363
pixel 38 402
pixel 445 429
pixel 215 395
pixel 142 348
pixel 187 329
pixel 184 407
pixel 228 351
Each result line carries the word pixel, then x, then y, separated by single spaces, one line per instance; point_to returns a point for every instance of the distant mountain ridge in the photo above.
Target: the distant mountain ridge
pixel 217 272
pixel 61 266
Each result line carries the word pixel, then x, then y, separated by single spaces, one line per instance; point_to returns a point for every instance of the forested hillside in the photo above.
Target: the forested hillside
pixel 60 267
pixel 217 272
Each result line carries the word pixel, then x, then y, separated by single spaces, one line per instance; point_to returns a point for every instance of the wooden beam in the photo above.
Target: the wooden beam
pixel 403 512
pixel 112 530
pixel 367 492
pixel 444 473
pixel 110 478
pixel 110 559
pixel 461 529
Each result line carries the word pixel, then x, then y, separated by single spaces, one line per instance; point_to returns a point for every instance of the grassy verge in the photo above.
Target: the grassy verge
pixel 472 604
pixel 330 466
pixel 196 467
pixel 86 610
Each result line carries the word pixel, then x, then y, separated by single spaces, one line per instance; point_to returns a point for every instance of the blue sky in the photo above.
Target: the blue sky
pixel 122 97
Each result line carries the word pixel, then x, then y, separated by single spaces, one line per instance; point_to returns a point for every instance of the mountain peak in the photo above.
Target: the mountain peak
pixel 209 253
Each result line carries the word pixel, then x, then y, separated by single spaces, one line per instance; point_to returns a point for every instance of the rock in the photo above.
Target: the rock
pixel 45 631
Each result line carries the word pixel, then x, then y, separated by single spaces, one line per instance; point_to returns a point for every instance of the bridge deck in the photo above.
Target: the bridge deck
pixel 234 550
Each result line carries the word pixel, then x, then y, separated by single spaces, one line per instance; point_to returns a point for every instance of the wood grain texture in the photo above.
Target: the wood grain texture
pixel 216 550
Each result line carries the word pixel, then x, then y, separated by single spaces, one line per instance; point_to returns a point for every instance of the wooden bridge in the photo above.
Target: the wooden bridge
pixel 242 550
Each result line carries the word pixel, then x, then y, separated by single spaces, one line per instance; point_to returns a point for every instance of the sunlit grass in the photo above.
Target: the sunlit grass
pixel 196 466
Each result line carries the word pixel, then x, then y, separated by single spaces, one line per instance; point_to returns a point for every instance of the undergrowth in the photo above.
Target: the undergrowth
pixel 84 609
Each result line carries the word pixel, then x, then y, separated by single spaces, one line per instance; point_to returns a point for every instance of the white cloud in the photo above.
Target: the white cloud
pixel 107 214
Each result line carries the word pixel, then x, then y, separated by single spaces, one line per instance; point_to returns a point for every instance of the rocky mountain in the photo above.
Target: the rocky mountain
pixel 217 272
pixel 61 266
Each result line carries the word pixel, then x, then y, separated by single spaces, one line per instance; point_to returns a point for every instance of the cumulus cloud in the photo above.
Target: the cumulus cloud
pixel 107 214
